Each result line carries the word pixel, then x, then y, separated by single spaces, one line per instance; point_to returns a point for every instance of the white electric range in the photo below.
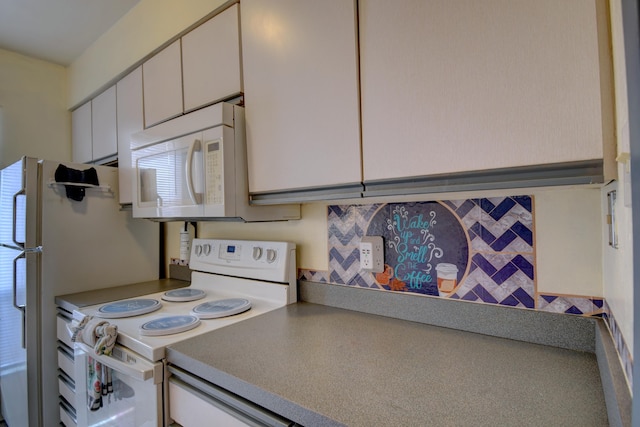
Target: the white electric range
pixel 231 281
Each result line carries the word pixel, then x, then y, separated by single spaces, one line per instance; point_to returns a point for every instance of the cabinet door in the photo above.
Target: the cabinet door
pixel 130 120
pixel 162 81
pixel 81 145
pixel 301 93
pixel 211 60
pixel 451 86
pixel 103 125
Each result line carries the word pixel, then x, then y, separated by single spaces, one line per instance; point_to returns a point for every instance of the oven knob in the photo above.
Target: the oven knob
pixel 206 249
pixel 198 250
pixel 257 252
pixel 272 254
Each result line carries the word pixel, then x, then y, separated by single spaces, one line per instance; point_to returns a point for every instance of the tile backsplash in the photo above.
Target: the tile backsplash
pixel 480 250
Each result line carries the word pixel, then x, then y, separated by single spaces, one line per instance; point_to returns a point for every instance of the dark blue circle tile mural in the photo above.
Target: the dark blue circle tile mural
pixel 426 247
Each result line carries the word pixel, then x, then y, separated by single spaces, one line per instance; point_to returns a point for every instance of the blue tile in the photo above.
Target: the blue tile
pixel 345 262
pixel 465 208
pixel 573 310
pixel 510 301
pixel 335 254
pixel 334 277
pixel 358 280
pixel 484 295
pixel 503 208
pixel 504 274
pixel 523 231
pixel 345 238
pixel 470 296
pixel 476 228
pixel 484 234
pixel 549 298
pixel 367 211
pixel 486 205
pixel 337 210
pixel 503 241
pixel 525 266
pixel 597 302
pixel 485 265
pixel 524 201
pixel 450 204
pixel 524 298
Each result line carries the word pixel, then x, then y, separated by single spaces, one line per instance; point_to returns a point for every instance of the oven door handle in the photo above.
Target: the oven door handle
pixel 196 145
pixel 136 368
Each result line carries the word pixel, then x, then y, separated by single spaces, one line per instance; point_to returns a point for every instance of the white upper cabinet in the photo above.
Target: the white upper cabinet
pixel 301 94
pixel 81 139
pixel 451 86
pixel 130 120
pixel 94 130
pixel 211 60
pixel 103 125
pixel 162 81
pixel 196 70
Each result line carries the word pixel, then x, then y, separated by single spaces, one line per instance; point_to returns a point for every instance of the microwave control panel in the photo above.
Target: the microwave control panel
pixel 214 172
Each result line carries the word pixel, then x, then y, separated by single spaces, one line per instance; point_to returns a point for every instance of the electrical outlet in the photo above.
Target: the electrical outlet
pixel 372 254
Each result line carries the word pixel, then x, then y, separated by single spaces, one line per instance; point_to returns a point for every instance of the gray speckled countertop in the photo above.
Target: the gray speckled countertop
pixel 319 365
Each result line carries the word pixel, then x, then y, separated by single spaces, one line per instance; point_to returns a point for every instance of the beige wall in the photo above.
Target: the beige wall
pixel 34 120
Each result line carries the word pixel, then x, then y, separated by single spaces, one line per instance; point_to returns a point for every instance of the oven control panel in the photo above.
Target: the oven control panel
pixel 264 260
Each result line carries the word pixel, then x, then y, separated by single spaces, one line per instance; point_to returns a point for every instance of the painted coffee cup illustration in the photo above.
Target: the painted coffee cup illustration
pixel 447 278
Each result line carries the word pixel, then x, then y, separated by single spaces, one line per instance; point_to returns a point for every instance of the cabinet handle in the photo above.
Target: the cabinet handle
pixel 195 146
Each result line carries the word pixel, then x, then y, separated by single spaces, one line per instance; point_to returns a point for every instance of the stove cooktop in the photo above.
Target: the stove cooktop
pixel 237 300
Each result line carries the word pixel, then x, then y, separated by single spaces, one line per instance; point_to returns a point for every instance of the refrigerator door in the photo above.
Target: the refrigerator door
pixel 19 393
pixel 18 182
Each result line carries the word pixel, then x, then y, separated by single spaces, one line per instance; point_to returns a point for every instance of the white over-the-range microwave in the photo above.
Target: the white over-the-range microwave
pixel 194 167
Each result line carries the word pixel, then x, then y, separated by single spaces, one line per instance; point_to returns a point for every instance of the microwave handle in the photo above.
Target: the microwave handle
pixel 196 145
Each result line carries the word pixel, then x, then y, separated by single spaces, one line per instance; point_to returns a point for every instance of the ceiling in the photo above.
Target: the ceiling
pixel 57 31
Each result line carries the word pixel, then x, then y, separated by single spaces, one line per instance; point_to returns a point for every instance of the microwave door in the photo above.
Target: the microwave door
pixel 169 179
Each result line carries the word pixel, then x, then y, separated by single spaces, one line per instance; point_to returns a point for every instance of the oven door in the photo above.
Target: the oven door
pixel 169 179
pixel 119 390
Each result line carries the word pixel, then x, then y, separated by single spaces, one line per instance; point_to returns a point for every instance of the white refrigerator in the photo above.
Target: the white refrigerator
pixel 61 231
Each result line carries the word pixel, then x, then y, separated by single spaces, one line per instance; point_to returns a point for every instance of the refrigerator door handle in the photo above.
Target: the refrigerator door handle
pixel 15 296
pixel 15 217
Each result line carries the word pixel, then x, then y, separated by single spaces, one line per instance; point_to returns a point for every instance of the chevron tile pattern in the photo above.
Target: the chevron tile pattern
pixel 571 305
pixel 347 225
pixel 501 253
pixel 621 345
pixel 502 256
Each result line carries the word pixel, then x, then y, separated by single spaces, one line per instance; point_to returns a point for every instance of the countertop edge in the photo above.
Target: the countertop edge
pixel 248 391
pixel 553 329
pixel 616 389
